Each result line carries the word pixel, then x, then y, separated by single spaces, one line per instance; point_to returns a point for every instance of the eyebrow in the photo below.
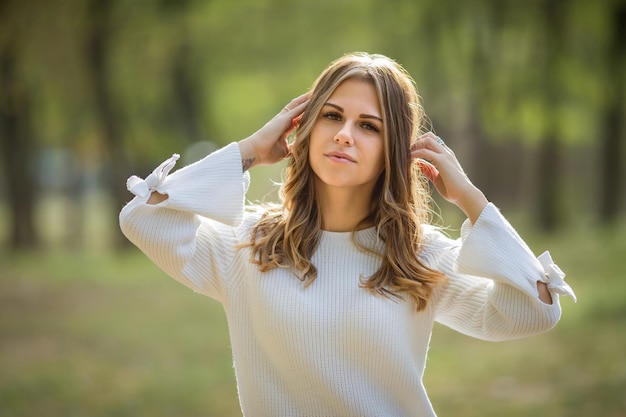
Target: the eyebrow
pixel 364 116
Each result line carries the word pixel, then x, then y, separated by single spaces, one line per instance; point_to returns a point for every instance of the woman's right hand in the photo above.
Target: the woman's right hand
pixel 268 145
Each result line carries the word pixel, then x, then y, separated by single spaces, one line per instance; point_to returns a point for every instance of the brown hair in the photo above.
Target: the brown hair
pixel 287 235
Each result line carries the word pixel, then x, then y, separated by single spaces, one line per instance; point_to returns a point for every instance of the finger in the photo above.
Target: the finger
pixel 300 107
pixel 297 103
pixel 424 144
pixel 432 156
pixel 431 141
pixel 290 117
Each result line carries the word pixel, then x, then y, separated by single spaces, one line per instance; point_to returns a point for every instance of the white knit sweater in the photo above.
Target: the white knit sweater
pixel 332 349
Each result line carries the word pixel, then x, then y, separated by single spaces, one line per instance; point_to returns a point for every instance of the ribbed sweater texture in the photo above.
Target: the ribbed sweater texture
pixel 333 348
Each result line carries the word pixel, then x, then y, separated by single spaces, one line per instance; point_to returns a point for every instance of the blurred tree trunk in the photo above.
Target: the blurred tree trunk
pixel 98 64
pixel 75 238
pixel 548 215
pixel 548 182
pixel 612 147
pixel 17 145
pixel 487 19
pixel 186 94
pixel 187 81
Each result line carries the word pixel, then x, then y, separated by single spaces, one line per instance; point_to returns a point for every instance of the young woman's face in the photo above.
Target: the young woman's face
pixel 346 145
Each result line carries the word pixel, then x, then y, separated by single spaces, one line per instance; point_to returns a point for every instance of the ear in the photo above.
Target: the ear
pixel 295 122
pixel 427 169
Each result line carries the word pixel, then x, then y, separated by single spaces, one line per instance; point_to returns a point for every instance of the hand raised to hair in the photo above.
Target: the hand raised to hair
pixel 440 165
pixel 268 145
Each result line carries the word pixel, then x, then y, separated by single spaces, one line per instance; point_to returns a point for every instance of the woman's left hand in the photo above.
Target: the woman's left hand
pixel 440 165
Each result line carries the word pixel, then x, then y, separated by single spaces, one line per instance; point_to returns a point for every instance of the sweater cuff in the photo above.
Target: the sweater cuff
pixel 214 187
pixel 493 249
pixel 555 278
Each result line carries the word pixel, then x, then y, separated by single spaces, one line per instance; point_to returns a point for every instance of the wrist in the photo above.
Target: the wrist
pixel 473 203
pixel 248 154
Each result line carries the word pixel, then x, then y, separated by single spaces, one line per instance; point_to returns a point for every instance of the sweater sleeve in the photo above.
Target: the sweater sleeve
pixel 492 275
pixel 190 235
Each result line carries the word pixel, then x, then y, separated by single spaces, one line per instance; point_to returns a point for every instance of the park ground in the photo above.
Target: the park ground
pixel 102 333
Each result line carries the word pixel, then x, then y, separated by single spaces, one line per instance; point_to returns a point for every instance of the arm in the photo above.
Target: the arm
pixel 445 172
pixel 180 221
pixel 184 232
pixel 492 292
pixel 440 165
pixel 156 198
pixel 267 145
pixel 544 293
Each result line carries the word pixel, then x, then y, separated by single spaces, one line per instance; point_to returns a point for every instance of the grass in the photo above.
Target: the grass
pixel 97 334
pixel 576 369
pixel 109 336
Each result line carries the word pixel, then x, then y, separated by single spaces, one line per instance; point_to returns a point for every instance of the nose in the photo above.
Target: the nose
pixel 344 136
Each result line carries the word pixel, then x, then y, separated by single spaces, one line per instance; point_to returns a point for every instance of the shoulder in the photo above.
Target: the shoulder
pixel 436 244
pixel 254 214
pixel 435 237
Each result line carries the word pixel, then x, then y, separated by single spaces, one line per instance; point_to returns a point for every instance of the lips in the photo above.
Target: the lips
pixel 340 156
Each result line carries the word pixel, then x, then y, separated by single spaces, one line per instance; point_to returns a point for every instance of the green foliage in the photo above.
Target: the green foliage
pixel 178 72
pixel 452 50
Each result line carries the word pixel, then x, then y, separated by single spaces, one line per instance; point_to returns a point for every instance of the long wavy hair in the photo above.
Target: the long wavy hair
pixel 288 234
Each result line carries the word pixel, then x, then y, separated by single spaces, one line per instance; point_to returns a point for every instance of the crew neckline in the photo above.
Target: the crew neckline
pixel 363 235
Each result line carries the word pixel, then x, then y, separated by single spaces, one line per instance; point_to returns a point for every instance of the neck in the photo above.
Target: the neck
pixel 342 210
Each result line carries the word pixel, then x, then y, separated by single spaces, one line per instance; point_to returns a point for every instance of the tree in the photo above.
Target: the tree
pixel 611 186
pixel 97 55
pixel 17 141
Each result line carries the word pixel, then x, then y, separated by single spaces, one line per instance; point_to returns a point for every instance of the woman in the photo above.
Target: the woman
pixel 331 296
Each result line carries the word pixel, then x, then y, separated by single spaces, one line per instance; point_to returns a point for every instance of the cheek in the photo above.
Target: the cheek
pixel 379 158
pixel 318 133
pixel 317 141
pixel 313 145
pixel 314 149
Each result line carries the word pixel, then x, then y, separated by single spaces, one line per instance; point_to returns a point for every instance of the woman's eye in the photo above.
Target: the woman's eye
pixel 332 116
pixel 370 126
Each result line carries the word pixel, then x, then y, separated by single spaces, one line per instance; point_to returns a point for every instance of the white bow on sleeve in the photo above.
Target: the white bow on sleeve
pixel 555 276
pixel 143 188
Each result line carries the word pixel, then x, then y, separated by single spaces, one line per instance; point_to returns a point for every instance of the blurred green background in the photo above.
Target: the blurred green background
pixel 530 95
